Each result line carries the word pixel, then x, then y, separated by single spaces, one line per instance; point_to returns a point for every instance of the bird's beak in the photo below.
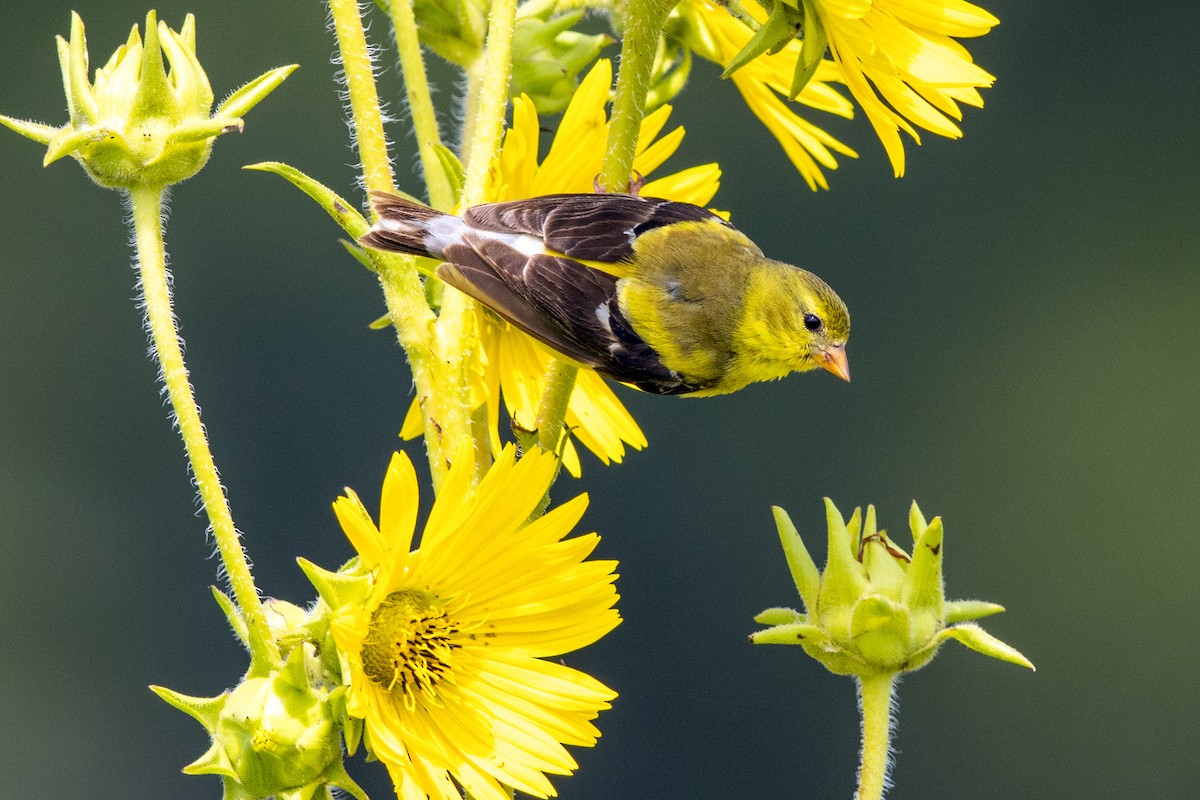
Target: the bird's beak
pixel 833 358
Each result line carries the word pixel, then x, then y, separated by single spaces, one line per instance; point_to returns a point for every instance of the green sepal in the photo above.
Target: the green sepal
pixel 39 132
pixel 66 141
pixel 981 641
pixel 879 629
pixel 780 616
pixel 230 609
pixel 250 95
pixel 804 570
pixel 780 27
pixel 844 579
pixel 966 610
pixel 923 584
pixel 336 589
pixel 791 633
pixel 205 710
pixel 669 78
pixel 811 53
pixel 453 169
pixel 343 213
pixel 191 133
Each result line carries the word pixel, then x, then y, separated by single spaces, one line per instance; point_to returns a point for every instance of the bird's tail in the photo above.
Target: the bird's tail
pixel 405 226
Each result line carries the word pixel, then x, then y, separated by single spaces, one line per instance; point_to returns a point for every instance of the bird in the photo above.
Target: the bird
pixel 661 295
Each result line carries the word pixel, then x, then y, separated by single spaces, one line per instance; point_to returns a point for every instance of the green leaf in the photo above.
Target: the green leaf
pixel 342 212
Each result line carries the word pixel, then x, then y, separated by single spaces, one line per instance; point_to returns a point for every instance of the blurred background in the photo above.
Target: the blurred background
pixel 1025 365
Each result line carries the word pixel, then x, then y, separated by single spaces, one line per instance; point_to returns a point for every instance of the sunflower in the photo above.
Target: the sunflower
pixel 443 648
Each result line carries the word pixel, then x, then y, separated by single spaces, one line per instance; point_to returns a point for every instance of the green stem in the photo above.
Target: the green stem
pixel 438 381
pixel 641 21
pixel 420 104
pixel 875 702
pixel 556 396
pixel 364 99
pixel 146 208
pixel 457 334
pixel 487 109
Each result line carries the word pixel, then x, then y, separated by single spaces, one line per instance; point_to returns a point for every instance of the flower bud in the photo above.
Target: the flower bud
pixel 138 124
pixel 273 736
pixel 875 609
pixel 548 57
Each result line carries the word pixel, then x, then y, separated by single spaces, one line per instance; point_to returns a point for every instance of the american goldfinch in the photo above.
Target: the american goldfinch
pixel 664 296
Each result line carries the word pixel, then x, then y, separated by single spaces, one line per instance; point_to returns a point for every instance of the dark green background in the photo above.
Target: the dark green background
pixel 1025 364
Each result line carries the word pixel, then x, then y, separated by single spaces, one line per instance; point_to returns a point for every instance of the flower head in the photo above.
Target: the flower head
pixel 443 647
pixel 875 609
pixel 137 124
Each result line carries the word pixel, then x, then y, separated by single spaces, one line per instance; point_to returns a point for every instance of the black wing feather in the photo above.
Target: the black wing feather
pixel 569 307
pixel 594 227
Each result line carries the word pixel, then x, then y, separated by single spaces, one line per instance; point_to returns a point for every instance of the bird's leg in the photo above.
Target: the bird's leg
pixel 633 187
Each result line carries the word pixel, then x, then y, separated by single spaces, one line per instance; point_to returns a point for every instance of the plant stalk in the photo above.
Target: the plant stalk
pixel 875 702
pixel 146 209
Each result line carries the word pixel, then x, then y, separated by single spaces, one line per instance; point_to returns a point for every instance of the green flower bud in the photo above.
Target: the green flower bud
pixel 875 609
pixel 138 124
pixel 273 736
pixel 454 29
pixel 548 57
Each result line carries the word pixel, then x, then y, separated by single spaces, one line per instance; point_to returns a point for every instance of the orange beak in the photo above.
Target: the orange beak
pixel 834 360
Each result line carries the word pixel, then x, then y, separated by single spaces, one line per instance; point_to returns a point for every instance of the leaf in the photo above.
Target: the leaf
pixel 342 212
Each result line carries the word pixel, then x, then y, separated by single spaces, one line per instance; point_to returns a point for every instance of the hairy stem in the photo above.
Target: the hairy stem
pixel 420 104
pixel 146 208
pixel 364 99
pixel 641 21
pixel 556 396
pixel 486 123
pixel 875 702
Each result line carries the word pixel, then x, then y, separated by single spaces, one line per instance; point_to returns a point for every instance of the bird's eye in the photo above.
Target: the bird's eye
pixel 812 322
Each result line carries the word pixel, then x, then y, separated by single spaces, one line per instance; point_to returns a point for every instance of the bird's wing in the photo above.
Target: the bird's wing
pixel 567 306
pixel 592 227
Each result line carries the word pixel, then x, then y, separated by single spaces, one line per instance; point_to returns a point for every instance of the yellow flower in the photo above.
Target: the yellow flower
pixel 516 364
pixel 902 65
pixel 443 648
pixel 764 83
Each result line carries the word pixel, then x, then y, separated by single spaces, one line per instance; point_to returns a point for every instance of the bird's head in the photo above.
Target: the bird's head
pixel 826 319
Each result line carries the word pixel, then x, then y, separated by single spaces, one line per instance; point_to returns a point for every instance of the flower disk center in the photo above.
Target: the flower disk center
pixel 408 648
